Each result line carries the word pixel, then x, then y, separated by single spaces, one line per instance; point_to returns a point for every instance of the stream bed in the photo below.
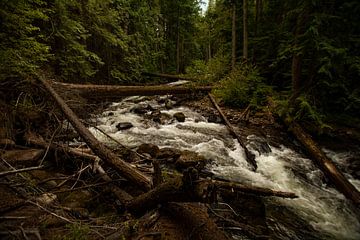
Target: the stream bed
pixel 320 212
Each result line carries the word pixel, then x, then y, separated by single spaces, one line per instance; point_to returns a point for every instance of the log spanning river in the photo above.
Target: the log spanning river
pixel 320 212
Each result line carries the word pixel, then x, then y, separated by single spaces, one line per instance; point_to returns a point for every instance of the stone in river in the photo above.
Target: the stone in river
pixel 124 125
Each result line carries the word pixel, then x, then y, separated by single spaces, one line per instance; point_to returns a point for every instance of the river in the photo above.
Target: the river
pixel 320 212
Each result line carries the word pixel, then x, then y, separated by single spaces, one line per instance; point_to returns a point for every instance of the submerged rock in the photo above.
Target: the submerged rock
pixel 124 125
pixel 214 119
pixel 179 116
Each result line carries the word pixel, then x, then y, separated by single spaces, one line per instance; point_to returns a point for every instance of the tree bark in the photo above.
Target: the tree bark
pixel 325 164
pixel 117 92
pixel 233 37
pixel 99 148
pixel 169 76
pixel 245 29
pixel 250 158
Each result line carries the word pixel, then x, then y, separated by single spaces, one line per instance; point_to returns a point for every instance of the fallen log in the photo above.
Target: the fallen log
pixel 168 76
pixel 190 189
pixel 97 147
pixel 250 157
pixel 325 164
pixel 115 92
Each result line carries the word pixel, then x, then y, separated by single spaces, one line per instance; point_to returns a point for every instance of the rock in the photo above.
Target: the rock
pixel 124 125
pixel 169 104
pixel 190 159
pixel 179 116
pixel 168 154
pixel 110 114
pixel 142 109
pixel 159 117
pixel 148 148
pixel 46 198
pixel 214 119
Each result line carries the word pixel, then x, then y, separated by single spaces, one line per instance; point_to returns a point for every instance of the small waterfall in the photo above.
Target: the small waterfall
pixel 320 212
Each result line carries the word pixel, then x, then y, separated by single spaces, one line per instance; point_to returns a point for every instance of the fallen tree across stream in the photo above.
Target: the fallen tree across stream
pixel 325 164
pixel 168 76
pixel 115 92
pixel 250 157
pixel 135 176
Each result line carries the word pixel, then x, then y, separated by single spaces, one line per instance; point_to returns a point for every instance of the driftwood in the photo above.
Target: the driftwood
pixel 250 157
pixel 97 147
pixel 191 189
pixel 168 76
pixel 326 165
pixel 116 92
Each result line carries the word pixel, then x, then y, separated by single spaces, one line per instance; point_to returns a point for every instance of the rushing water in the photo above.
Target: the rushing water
pixel 320 212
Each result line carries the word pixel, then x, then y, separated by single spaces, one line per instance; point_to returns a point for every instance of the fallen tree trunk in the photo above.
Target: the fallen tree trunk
pixel 97 147
pixel 168 76
pixel 114 91
pixel 205 191
pixel 326 165
pixel 250 158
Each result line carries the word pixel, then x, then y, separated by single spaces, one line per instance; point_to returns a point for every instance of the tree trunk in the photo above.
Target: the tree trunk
pixel 233 38
pixel 99 148
pixel 245 30
pixel 326 165
pixel 250 158
pixel 168 76
pixel 117 92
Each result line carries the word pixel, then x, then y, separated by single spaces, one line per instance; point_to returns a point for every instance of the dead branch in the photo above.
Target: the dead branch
pixel 5 173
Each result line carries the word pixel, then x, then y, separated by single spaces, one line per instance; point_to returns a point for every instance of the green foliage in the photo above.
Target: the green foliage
pixel 209 72
pixel 244 86
pixel 22 46
pixel 77 232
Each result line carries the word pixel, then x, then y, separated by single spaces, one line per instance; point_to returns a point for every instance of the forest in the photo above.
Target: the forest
pixel 284 71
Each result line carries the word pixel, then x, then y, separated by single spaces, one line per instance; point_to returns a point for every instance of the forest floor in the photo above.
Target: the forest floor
pixel 67 200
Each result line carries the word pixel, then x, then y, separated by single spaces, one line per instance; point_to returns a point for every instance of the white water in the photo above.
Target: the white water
pixel 320 206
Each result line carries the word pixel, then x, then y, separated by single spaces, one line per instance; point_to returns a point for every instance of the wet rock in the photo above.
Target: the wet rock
pixel 190 159
pixel 148 148
pixel 124 125
pixel 110 114
pixel 169 104
pixel 179 116
pixel 142 109
pixel 168 154
pixel 259 144
pixel 159 117
pixel 214 119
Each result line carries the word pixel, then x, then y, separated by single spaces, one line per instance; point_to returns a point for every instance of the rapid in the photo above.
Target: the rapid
pixel 320 212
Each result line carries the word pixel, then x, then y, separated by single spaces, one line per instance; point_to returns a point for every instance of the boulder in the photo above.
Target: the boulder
pixel 148 148
pixel 124 125
pixel 179 116
pixel 142 109
pixel 190 159
pixel 168 154
pixel 159 117
pixel 214 119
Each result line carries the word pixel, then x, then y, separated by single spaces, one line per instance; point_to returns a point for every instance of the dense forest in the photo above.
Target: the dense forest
pixel 295 61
